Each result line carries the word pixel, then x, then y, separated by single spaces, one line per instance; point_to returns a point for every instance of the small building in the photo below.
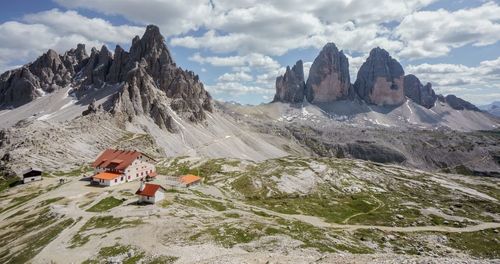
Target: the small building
pixel 190 180
pixel 150 193
pixel 114 166
pixel 31 175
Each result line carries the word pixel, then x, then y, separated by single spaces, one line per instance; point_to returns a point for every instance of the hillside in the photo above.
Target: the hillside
pixel 308 210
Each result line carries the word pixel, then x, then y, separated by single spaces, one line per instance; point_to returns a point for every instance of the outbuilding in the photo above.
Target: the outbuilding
pixel 150 193
pixel 32 174
pixel 190 180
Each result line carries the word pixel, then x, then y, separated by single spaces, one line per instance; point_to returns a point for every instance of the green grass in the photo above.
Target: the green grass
pixel 232 215
pixel 105 205
pixel 162 260
pixel 482 244
pixel 80 171
pixel 202 204
pixel 109 223
pixel 35 243
pixel 49 201
pixel 17 201
pixel 332 208
pixel 116 250
pixel 6 183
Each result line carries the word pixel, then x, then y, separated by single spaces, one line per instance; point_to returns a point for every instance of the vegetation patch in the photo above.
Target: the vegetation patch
pixel 105 222
pixel 49 201
pixel 118 251
pixel 35 243
pixel 483 244
pixel 204 204
pixel 105 205
pixel 162 260
pixel 17 201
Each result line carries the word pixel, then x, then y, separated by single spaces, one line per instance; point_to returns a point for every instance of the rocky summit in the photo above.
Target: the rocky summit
pixel 380 79
pixel 328 79
pixel 290 86
pixel 149 81
pixel 418 93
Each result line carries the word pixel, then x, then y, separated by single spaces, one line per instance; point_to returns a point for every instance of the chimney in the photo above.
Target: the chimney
pixel 142 186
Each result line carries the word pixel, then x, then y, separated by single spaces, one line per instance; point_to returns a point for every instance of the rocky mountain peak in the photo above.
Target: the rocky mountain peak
pixel 380 79
pixel 459 103
pixel 290 86
pixel 423 95
pixel 329 78
pixel 151 47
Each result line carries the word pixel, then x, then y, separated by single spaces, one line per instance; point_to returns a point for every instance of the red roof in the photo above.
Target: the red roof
pixel 149 190
pixel 116 159
pixel 188 179
pixel 106 175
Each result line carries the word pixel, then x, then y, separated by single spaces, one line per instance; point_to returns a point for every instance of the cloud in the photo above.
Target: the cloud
pixel 236 88
pixel 173 16
pixel 253 60
pixel 468 82
pixel 235 77
pixel 435 33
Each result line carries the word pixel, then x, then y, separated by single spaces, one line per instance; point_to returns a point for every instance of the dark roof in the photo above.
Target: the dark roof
pixel 32 169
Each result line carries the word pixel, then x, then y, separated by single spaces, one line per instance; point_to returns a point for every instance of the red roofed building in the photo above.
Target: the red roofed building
pixel 150 193
pixel 118 166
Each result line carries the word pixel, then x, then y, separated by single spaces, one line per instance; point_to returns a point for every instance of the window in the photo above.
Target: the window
pixel 137 175
pixel 129 177
pixel 116 180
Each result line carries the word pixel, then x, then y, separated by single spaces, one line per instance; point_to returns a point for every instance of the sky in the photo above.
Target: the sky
pixel 239 47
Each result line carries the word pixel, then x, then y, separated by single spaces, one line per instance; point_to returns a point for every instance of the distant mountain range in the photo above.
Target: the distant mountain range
pixel 493 108
pixel 381 81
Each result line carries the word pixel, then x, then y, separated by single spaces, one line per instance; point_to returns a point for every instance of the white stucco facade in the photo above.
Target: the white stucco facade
pixel 32 179
pixel 159 195
pixel 138 169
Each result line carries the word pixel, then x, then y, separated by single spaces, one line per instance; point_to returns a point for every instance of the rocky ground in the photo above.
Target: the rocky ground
pixel 301 210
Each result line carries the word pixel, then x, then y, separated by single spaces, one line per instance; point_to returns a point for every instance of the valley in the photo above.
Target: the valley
pixel 309 209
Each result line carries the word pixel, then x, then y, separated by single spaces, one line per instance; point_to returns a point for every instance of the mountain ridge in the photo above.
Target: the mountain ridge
pixel 381 81
pixel 148 59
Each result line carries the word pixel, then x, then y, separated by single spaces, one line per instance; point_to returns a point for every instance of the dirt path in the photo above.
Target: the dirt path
pixel 321 223
pixel 380 205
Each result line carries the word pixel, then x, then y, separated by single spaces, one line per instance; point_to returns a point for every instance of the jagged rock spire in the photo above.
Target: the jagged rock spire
pixel 329 78
pixel 290 86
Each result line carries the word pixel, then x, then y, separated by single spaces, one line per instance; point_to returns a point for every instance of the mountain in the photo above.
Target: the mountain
pixel 380 81
pixel 418 93
pixel 328 79
pixel 144 71
pixel 290 86
pixel 493 108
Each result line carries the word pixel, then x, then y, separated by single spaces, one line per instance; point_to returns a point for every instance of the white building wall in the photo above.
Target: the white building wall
pixel 31 179
pixel 139 169
pixel 159 195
